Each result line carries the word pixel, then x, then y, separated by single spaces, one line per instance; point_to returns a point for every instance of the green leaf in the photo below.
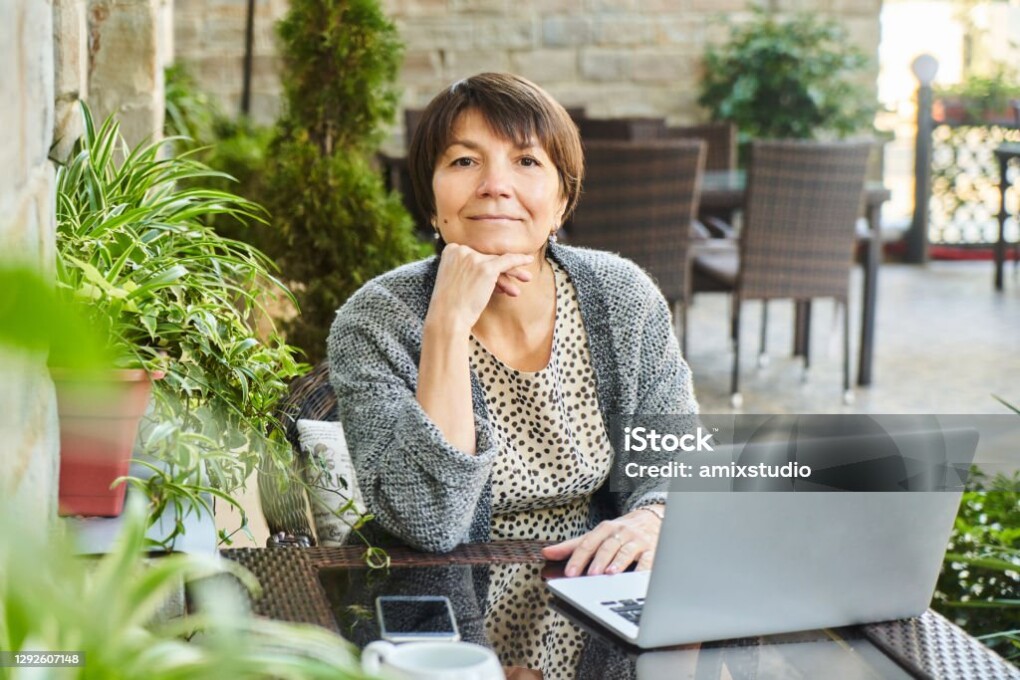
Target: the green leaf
pixel 34 320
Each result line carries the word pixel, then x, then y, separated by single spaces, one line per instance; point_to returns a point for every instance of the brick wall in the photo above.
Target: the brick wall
pixel 209 39
pixel 127 52
pixel 615 57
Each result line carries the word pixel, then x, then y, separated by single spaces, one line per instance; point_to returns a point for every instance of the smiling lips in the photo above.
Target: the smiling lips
pixel 494 218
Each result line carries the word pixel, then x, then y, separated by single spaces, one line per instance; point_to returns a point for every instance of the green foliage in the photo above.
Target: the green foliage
pixel 239 148
pixel 190 113
pixel 790 78
pixel 342 229
pixel 134 246
pixel 34 321
pixel 985 94
pixel 334 225
pixel 53 600
pixel 235 147
pixel 341 61
pixel 979 588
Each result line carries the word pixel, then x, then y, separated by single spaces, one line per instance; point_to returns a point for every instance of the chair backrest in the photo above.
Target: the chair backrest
pixel 803 201
pixel 630 128
pixel 310 397
pixel 412 117
pixel 576 113
pixel 721 141
pixel 639 200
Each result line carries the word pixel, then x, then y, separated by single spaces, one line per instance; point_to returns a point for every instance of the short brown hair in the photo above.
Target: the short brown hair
pixel 517 110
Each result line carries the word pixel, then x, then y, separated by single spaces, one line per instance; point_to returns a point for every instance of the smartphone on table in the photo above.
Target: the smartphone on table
pixel 403 618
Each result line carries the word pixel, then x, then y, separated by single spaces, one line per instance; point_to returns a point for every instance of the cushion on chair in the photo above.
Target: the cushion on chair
pixel 721 265
pixel 330 474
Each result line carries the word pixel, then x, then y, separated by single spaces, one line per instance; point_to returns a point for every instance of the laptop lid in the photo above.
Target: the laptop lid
pixel 737 564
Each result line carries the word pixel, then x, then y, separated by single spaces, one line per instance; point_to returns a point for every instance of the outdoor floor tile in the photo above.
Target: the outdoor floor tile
pixel 945 343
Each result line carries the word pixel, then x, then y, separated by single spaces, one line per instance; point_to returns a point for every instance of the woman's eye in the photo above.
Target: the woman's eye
pixel 530 162
pixel 462 162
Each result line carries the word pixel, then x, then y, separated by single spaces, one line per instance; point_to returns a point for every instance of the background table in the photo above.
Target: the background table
pixel 926 647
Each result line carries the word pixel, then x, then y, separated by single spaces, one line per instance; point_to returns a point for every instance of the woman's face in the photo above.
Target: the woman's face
pixel 492 195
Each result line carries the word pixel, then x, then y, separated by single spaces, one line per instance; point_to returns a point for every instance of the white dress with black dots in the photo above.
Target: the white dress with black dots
pixel 554 452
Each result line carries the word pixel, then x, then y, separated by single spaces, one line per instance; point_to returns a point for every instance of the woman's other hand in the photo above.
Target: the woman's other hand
pixel 467 279
pixel 612 546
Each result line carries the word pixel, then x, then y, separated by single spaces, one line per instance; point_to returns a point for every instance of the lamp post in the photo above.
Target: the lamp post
pixel 924 67
pixel 249 39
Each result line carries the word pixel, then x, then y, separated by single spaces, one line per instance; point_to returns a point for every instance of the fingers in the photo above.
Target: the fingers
pixel 519 273
pixel 615 554
pixel 561 551
pixel 508 261
pixel 598 546
pixel 467 280
pixel 506 285
pixel 610 548
pixel 625 556
pixel 647 561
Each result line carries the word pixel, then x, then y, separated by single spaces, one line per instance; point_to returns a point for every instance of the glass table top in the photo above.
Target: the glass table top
pixel 507 607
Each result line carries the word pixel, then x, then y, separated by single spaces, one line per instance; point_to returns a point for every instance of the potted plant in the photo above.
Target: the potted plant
pixel 107 618
pixel 981 99
pixel 102 619
pixel 135 250
pixel 786 78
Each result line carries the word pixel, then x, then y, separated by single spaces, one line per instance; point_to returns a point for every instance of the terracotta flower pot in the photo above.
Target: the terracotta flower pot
pixel 98 425
pixel 954 110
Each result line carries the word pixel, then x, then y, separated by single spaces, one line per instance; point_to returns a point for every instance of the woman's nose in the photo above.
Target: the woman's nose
pixel 496 181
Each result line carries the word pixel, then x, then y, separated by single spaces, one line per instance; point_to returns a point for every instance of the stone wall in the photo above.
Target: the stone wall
pixel 28 441
pixel 127 51
pixel 614 57
pixel 53 55
pixel 209 38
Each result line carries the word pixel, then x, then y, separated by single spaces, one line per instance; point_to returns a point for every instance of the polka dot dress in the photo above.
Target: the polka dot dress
pixel 522 629
pixel 554 452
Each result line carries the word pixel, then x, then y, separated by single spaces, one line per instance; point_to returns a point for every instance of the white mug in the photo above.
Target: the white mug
pixel 431 661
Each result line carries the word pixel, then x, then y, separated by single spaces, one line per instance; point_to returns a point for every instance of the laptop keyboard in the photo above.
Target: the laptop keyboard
pixel 628 609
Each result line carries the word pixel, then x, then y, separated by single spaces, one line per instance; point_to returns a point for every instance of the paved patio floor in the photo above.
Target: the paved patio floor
pixel 945 343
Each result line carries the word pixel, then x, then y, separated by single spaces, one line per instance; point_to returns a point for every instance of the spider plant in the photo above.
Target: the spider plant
pixel 135 249
pixel 109 611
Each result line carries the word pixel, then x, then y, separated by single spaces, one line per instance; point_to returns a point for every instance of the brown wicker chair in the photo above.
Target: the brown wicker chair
pixel 287 509
pixel 626 129
pixel 721 141
pixel 798 238
pixel 720 155
pixel 411 119
pixel 639 200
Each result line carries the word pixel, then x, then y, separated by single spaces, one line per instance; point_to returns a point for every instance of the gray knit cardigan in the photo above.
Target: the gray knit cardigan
pixel 421 489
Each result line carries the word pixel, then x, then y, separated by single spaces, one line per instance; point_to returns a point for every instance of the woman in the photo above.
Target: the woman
pixel 475 387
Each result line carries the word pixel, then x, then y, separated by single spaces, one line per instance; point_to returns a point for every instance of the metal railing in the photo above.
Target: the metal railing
pixel 957 199
pixel 964 204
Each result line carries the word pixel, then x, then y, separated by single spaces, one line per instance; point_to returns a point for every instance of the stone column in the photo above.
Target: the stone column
pixel 28 421
pixel 125 67
pixel 70 52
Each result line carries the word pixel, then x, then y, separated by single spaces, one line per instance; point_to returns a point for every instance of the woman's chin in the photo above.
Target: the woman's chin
pixel 505 247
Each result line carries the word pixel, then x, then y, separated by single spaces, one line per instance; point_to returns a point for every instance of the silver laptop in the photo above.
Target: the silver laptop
pixel 740 564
